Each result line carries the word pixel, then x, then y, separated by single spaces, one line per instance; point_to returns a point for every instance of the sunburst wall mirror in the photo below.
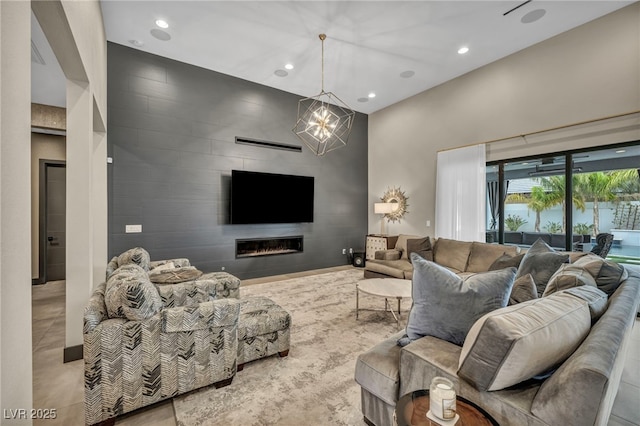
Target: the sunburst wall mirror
pixel 399 199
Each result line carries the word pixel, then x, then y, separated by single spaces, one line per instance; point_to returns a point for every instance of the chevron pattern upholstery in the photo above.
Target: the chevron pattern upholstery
pixel 263 330
pixel 133 363
pixel 211 286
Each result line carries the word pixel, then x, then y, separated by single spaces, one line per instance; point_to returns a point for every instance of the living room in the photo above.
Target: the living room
pixel 584 74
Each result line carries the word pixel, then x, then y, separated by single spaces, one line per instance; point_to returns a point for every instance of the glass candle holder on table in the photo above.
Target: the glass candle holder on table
pixel 442 397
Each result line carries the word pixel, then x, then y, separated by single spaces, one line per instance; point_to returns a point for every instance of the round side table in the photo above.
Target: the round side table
pixel 411 410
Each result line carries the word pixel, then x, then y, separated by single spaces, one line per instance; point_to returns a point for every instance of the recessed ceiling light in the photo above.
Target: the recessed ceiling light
pixel 162 23
pixel 463 50
pixel 281 73
pixel 372 95
pixel 621 151
pixel 363 99
pixel 289 66
pixel 407 74
pixel 137 43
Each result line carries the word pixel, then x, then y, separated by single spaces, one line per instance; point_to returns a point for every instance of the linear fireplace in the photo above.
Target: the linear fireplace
pixel 268 246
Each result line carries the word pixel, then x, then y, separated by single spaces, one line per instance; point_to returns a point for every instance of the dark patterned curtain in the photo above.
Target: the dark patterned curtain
pixel 494 201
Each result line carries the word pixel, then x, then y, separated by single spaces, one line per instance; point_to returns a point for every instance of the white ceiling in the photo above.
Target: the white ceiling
pixel 369 43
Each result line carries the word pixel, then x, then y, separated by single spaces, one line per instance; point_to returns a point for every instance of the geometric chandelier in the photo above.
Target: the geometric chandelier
pixel 324 122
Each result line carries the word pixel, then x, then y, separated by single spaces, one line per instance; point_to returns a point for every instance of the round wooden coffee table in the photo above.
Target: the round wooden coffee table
pixel 389 288
pixel 411 410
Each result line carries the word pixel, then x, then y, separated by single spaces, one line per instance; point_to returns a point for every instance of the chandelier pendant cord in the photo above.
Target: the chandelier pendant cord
pixel 322 37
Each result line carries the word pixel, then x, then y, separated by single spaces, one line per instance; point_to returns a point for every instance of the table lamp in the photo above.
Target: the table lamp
pixel 382 208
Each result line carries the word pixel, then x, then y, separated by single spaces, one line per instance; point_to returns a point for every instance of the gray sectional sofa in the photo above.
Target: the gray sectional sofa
pixel 580 390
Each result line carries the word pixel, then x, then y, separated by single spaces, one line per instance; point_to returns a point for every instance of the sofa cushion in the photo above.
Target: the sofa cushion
pixel 541 261
pixel 421 246
pixel 401 244
pixel 452 254
pixel 607 274
pixel 391 254
pixel 137 256
pixel 392 268
pixel 596 299
pixel 129 294
pixel 377 370
pixel 446 305
pixel 568 276
pixel 589 379
pixel 506 261
pixel 510 345
pixel 524 289
pixel 483 255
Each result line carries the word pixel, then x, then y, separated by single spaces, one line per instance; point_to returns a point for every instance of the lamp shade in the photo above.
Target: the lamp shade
pixel 383 208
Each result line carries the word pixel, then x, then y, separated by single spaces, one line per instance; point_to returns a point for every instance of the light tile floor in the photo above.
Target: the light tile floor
pixel 60 386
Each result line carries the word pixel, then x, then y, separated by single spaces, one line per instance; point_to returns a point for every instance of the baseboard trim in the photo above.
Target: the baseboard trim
pixel 72 353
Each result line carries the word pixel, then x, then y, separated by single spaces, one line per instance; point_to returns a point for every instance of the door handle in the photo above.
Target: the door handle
pixel 50 238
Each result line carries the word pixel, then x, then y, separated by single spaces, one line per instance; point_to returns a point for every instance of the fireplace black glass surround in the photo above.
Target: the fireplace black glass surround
pixel 268 246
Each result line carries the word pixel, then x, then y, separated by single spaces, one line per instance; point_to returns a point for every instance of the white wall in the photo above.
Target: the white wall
pixel 590 72
pixel 76 34
pixel 15 205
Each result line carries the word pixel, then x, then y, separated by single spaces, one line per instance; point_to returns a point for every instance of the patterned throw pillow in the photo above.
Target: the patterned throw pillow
pixel 541 261
pixel 446 305
pixel 130 294
pixel 137 256
pixel 174 275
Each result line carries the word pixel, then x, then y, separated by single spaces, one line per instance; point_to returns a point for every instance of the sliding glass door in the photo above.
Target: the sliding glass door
pixel 567 199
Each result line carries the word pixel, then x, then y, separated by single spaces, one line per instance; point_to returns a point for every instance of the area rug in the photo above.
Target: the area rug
pixel 314 385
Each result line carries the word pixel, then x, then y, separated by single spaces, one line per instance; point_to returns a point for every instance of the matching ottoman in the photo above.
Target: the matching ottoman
pixel 263 330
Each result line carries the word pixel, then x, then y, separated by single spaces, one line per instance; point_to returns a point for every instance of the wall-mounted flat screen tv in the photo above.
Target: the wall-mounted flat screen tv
pixel 258 197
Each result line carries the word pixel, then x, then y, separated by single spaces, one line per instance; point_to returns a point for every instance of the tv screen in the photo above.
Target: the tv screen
pixel 270 198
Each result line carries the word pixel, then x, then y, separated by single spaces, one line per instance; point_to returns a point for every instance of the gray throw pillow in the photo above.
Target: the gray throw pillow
pixel 446 306
pixel 506 261
pixel 541 261
pixel 421 246
pixel 568 276
pixel 524 289
pixel 607 274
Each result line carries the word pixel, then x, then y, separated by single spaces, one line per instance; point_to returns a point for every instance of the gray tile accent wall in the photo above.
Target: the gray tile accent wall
pixel 171 133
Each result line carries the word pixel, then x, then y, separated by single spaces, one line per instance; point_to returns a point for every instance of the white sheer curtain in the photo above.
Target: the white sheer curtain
pixel 460 194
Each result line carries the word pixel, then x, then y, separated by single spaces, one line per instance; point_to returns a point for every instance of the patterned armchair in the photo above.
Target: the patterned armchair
pixel 144 343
